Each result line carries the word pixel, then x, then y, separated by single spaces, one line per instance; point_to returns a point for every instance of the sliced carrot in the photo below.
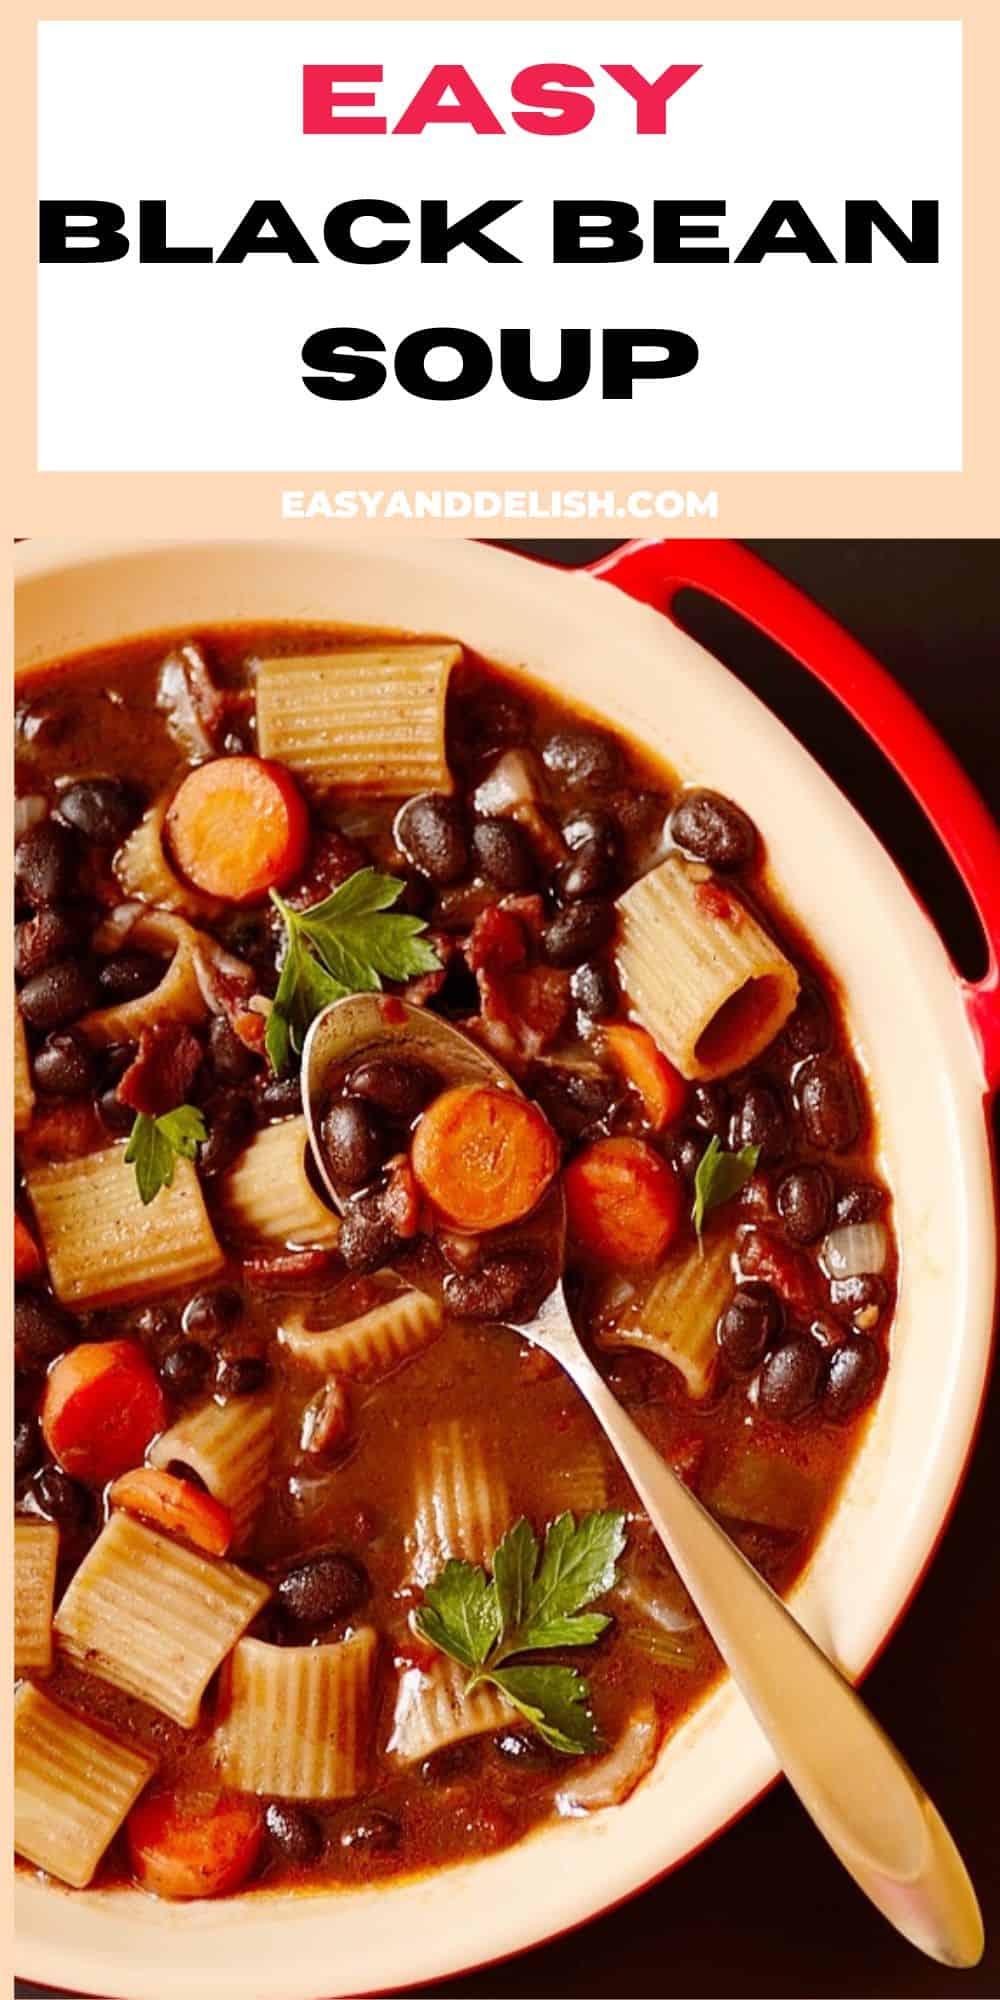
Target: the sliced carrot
pixel 623 1201
pixel 176 1505
pixel 660 1086
pixel 182 1848
pixel 238 827
pixel 27 1256
pixel 483 1156
pixel 102 1406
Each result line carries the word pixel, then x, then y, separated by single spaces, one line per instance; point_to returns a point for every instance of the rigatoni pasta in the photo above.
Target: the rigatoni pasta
pixel 229 1447
pixel 678 1317
pixel 36 1553
pixel 387 706
pixel 369 1346
pixel 143 870
pixel 706 980
pixel 431 1710
pixel 154 1617
pixel 296 1721
pixel 103 1246
pixel 73 1785
pixel 461 1503
pixel 178 997
pixel 267 1196
pixel 24 1094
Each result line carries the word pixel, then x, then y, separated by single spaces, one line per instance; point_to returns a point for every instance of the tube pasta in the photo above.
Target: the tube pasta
pixel 24 1090
pixel 704 978
pixel 678 1318
pixel 229 1446
pixel 296 1721
pixel 461 1502
pixel 178 997
pixel 73 1785
pixel 370 720
pixel 143 870
pixel 369 1346
pixel 581 1486
pixel 103 1246
pixel 36 1552
pixel 154 1617
pixel 267 1195
pixel 432 1709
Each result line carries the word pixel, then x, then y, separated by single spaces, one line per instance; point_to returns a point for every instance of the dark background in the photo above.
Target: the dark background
pixel 766 1910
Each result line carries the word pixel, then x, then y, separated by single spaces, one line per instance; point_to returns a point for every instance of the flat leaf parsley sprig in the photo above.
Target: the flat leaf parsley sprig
pixel 530 1606
pixel 155 1143
pixel 348 943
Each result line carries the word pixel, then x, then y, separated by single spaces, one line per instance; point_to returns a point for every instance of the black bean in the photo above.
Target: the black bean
pixel 828 1103
pixel 809 1027
pixel 430 832
pixel 102 809
pixel 587 829
pixel 804 1198
pixel 367 1237
pixel 502 853
pixel 184 1368
pixel 42 1330
pixel 57 996
pixel 115 1060
pixel 595 989
pixel 859 1201
pixel 454 1762
pixel 127 976
pixel 508 1285
pixel 376 1832
pixel 323 1587
pixel 758 1119
pixel 709 1108
pixel 230 1121
pixel 573 1099
pixel 118 1117
pixel 63 1499
pixel 295 1831
pixel 790 1379
pixel 354 1142
pixel 856 1294
pixel 240 1374
pixel 417 897
pixel 588 872
pixel 27 1445
pixel 486 722
pixel 209 1314
pixel 231 1060
pixel 852 1378
pixel 63 1066
pixel 751 1321
pixel 522 1748
pixel 279 1097
pixel 400 1089
pixel 42 940
pixel 685 1151
pixel 45 863
pixel 578 932
pixel 713 829
pixel 583 758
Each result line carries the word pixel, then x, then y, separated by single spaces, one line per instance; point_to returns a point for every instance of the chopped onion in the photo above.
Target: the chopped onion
pixel 510 783
pixel 28 812
pixel 609 1782
pixel 856 1251
pixel 661 1600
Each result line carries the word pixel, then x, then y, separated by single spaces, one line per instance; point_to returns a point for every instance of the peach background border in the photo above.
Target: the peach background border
pixel 760 504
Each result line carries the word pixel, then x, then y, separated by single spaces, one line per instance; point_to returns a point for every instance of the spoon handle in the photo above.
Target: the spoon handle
pixel 855 1786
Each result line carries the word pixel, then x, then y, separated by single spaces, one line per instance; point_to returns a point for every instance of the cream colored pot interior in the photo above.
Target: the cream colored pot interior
pixel 625 662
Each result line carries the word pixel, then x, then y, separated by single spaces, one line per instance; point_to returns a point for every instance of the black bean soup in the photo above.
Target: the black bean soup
pixel 514 869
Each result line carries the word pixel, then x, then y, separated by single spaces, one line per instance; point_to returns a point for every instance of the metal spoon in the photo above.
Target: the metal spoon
pixel 853 1783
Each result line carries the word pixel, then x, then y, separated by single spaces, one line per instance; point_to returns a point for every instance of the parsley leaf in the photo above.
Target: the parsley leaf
pixel 533 1602
pixel 718 1177
pixel 154 1143
pixel 348 943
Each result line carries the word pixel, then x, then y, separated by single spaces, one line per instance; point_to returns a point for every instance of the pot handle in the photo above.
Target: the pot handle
pixel 654 573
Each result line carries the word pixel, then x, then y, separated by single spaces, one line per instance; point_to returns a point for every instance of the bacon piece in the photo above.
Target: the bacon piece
pixel 401 1202
pixel 62 1131
pixel 523 1005
pixel 793 1275
pixel 162 1072
pixel 280 1270
pixel 27 1256
pixel 497 942
pixel 326 1420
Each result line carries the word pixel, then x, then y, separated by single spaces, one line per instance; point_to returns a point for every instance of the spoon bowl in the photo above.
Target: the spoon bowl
pixel 854 1784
